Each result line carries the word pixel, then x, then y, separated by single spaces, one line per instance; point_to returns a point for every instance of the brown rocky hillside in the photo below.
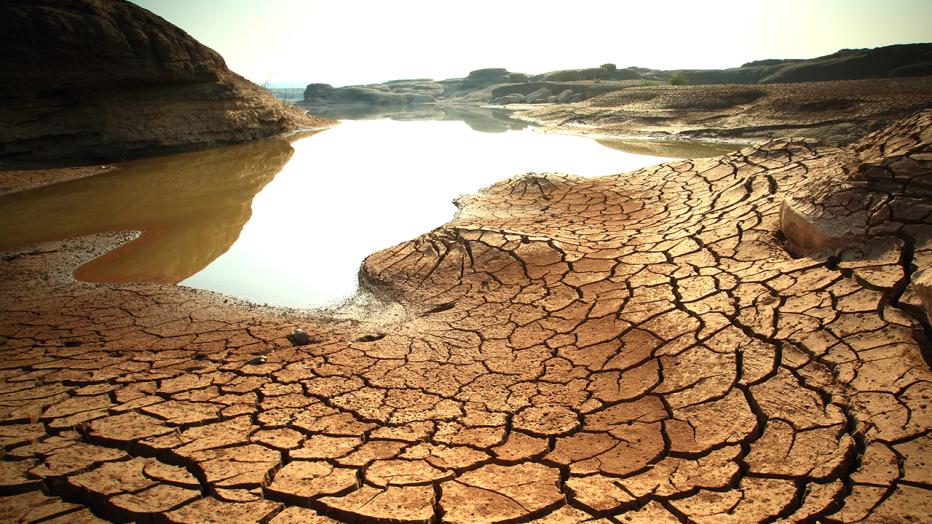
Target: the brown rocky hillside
pixel 98 80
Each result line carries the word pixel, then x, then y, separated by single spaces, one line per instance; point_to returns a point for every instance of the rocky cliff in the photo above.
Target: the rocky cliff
pixel 86 80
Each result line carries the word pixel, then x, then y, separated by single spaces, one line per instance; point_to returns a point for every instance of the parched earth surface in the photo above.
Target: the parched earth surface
pixel 736 339
pixel 834 111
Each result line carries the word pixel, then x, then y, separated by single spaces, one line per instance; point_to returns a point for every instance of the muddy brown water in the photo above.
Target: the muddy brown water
pixel 289 224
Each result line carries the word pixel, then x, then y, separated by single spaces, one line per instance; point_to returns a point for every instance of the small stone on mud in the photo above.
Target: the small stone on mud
pixel 256 361
pixel 369 338
pixel 299 337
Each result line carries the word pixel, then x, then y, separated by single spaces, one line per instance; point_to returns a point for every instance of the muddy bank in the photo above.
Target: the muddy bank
pixel 13 180
pixel 653 346
pixel 189 209
pixel 836 111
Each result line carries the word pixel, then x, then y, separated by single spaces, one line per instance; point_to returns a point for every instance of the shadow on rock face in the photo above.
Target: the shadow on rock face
pixel 189 207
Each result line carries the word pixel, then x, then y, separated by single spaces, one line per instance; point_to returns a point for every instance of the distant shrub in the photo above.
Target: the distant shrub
pixel 678 79
pixel 648 83
pixel 608 67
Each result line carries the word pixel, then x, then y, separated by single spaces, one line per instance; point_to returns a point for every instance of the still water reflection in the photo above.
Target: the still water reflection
pixel 190 209
pixel 486 120
pixel 289 225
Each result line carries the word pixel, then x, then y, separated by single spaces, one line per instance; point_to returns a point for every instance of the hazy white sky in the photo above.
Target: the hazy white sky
pixel 362 41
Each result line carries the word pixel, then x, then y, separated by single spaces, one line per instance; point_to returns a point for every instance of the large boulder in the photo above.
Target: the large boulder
pixel 540 96
pixel 487 77
pixel 417 86
pixel 318 92
pixel 564 96
pixel 367 95
pixel 510 99
pixel 96 80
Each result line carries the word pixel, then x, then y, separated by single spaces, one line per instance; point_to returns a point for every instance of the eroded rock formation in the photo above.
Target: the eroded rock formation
pixel 103 80
pixel 498 86
pixel 894 61
pixel 840 112
pixel 637 348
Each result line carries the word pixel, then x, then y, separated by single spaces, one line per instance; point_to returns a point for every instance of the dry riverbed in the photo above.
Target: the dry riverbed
pixel 646 347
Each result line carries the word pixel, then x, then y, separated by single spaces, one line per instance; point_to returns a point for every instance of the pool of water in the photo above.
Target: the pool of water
pixel 288 224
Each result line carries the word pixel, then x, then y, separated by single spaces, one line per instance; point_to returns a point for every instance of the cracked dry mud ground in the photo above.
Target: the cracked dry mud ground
pixel 646 347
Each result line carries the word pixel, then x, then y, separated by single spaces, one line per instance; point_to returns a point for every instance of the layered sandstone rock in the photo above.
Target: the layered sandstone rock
pixel 639 347
pixel 104 80
pixel 904 60
pixel 836 111
pixel 498 86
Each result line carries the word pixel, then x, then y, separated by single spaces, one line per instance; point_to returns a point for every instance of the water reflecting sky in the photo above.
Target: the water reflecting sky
pixel 224 220
pixel 367 185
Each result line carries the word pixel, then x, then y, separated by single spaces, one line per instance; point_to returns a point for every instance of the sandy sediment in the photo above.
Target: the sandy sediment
pixel 14 180
pixel 697 341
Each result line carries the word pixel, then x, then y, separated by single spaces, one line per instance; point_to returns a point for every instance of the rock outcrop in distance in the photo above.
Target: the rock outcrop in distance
pixel 895 61
pixel 500 86
pixel 95 80
pixel 835 111
pixel 735 339
pixel 483 86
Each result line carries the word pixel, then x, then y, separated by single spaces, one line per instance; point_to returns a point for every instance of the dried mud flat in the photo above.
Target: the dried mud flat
pixel 657 346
